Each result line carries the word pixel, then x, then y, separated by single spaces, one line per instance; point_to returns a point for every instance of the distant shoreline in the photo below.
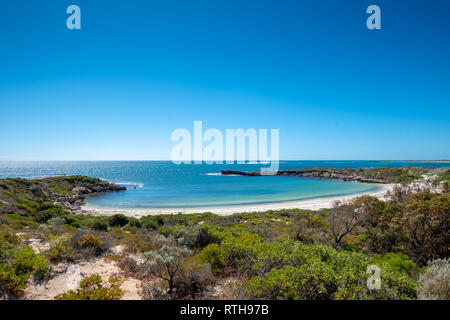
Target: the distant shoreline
pixel 310 204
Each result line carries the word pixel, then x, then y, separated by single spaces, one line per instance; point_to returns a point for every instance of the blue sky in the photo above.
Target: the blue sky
pixel 137 70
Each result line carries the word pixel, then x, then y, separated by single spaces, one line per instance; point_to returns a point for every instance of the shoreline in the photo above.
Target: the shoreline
pixel 310 204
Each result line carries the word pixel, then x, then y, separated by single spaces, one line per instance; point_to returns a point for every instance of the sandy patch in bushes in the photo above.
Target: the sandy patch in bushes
pixel 66 275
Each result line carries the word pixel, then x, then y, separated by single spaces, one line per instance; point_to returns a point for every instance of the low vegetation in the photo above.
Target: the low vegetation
pixel 18 264
pixel 285 254
pixel 93 288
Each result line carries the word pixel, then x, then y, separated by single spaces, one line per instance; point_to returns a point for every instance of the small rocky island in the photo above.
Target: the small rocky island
pixel 375 175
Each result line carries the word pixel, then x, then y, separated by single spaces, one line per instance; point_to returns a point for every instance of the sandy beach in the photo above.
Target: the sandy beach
pixel 311 204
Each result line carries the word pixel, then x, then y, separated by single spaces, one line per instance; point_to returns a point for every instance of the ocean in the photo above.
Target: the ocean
pixel 162 184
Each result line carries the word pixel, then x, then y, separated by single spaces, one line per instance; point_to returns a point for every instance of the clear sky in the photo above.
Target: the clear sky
pixel 137 70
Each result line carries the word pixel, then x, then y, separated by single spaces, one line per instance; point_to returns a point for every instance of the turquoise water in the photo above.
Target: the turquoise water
pixel 162 184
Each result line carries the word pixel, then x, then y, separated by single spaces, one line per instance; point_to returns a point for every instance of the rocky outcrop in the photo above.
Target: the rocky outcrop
pixel 21 195
pixel 376 175
pixel 77 196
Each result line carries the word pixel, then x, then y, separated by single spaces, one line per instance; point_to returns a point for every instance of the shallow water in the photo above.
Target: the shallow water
pixel 162 184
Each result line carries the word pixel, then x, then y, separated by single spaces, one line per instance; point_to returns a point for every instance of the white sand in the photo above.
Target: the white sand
pixel 62 273
pixel 312 204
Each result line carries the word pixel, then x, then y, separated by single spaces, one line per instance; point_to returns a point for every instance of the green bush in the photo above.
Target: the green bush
pixel 90 241
pixel 47 212
pixel 444 176
pixel 71 221
pixel 397 261
pixel 206 236
pixel 18 265
pixel 60 248
pixel 100 226
pixel 86 244
pixel 134 223
pixel 118 220
pixel 74 179
pixel 435 281
pixel 214 255
pixel 149 222
pixel 291 270
pixel 7 242
pixel 93 288
pixel 239 249
pixel 25 261
pixel 309 281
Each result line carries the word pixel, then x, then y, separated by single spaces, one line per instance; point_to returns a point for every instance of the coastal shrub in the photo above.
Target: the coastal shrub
pixel 128 264
pixel 13 221
pixel 309 228
pixel 56 226
pixel 71 221
pixel 185 236
pixel 165 231
pixel 166 261
pixel 193 280
pixel 415 224
pixel 446 186
pixel 90 241
pixel 118 220
pixel 149 222
pixel 48 211
pixel 85 221
pixel 306 282
pixel 239 249
pixel 177 219
pixel 85 179
pixel 404 174
pixel 56 222
pixel 138 242
pixel 60 248
pixel 435 281
pixel 149 290
pixel 26 205
pixel 100 226
pixel 206 236
pixel 444 176
pixel 7 242
pixel 41 267
pixel 214 255
pixel 26 261
pixel 195 236
pixel 133 223
pixel 277 254
pixel 86 244
pixel 18 264
pixel 93 288
pixel 397 261
pixel 190 282
pixel 291 270
pixel 263 231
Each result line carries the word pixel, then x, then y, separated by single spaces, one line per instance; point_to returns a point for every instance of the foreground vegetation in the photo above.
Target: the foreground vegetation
pixel 286 254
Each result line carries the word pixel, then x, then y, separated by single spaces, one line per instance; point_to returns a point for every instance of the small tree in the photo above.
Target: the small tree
pixel 166 261
pixel 344 219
